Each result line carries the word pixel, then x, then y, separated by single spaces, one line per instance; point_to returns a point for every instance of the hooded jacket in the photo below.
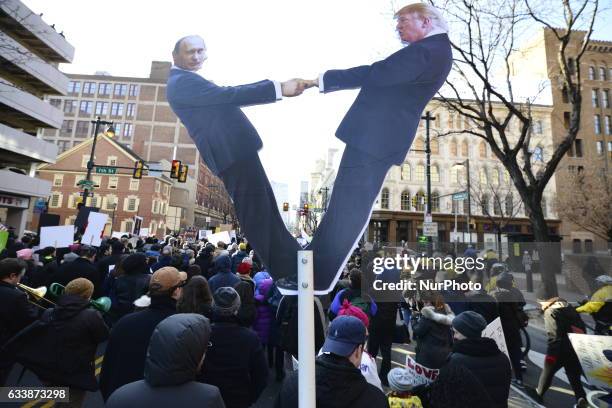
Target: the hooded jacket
pixel 339 384
pixel 488 364
pixel 434 337
pixel 223 274
pixel 175 350
pixel 265 316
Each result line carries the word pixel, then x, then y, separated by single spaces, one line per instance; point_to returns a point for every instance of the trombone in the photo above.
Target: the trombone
pixel 102 304
pixel 36 293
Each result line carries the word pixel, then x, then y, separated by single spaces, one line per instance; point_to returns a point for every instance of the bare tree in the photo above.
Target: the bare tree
pixel 484 39
pixel 587 200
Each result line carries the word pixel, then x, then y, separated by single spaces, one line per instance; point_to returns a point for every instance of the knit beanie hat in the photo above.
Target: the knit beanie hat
pixel 242 246
pixel 400 380
pixel 349 310
pixel 470 324
pixel 244 268
pixel 25 254
pixel 226 301
pixel 80 287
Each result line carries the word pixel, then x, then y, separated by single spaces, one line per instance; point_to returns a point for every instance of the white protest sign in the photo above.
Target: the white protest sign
pixel 58 237
pixel 119 234
pixel 495 331
pixel 420 373
pixel 204 233
pixel 223 236
pixel 95 226
pixel 144 232
pixel 233 234
pixel 595 364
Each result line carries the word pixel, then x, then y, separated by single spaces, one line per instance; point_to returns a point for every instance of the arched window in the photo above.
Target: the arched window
pixel 454 175
pixel 435 201
pixel 453 148
pixel 420 201
pixel 482 150
pixel 435 174
pixel 506 177
pixel 495 177
pixel 420 172
pixel 484 204
pixel 509 204
pixel 591 73
pixel 405 201
pixel 538 154
pixel 405 171
pixel 435 146
pixel 464 149
pixel 384 199
pixel 497 208
pixel 602 73
pixel 482 176
pixel 419 144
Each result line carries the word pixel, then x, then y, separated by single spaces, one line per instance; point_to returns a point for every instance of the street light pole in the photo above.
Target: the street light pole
pixel 90 163
pixel 113 219
pixel 428 118
pixel 469 198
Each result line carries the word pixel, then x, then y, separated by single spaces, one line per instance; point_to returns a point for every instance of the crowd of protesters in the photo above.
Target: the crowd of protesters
pixel 201 324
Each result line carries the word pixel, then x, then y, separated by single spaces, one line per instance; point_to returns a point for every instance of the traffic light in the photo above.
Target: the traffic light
pixel 305 208
pixel 182 177
pixel 285 206
pixel 176 169
pixel 138 167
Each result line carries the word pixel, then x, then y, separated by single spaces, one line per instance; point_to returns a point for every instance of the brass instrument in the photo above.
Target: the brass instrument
pixel 102 304
pixel 37 294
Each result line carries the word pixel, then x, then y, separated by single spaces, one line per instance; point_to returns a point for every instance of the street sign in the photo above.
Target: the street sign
pixel 430 229
pixel 85 183
pixel 427 217
pixel 105 170
pixel 462 195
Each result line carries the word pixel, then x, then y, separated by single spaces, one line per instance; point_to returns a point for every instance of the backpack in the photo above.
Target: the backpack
pixel 361 303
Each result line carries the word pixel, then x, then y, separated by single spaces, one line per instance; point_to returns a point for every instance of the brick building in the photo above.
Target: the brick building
pixel 145 123
pixel 119 195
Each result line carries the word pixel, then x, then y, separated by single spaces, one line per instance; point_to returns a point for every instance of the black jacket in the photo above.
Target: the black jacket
pixel 339 384
pixel 432 332
pixel 235 363
pixel 170 370
pixel 15 314
pixel 126 290
pixel 483 304
pixel 79 268
pixel 126 350
pixel 484 359
pixel 509 304
pixel 61 348
pixel 248 310
pixel 559 322
pixel 103 264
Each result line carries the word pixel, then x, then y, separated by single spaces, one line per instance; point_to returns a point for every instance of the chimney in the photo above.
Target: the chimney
pixel 160 70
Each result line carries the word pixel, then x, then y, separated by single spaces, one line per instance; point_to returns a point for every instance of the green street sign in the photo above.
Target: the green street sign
pixel 85 183
pixel 460 196
pixel 105 170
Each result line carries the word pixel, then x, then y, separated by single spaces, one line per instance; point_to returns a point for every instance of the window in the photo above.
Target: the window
pixel 86 107
pixel 538 154
pixel 104 89
pixel 496 206
pixel 157 186
pixel 58 180
pixel 566 120
pixel 130 204
pixel 94 201
pixel 509 204
pixel 70 106
pixel 405 201
pixel 118 128
pixel 420 201
pixel 120 90
pixel 63 145
pixel 453 148
pixel 74 87
pixel 420 172
pixel 73 199
pixel 602 73
pixel 384 199
pixel 605 98
pixel 89 88
pixel 435 201
pixel 600 147
pixel 101 108
pixel 454 175
pixel 597 124
pixel 67 126
pixel 451 120
pixel 111 161
pixel 495 177
pixel 435 174
pixel 482 176
pixel 591 73
pixel 128 130
pixel 166 189
pixel 506 177
pixel 155 207
pixel 464 149
pixel 484 204
pixel 116 109
pixel 564 94
pixel 84 160
pixel 56 200
pixel 405 171
pixel 537 127
pixel 55 102
pixel 134 90
pixel 97 180
pixel 434 146
pixel 131 109
pixel 578 144
pixel 482 150
pixel 113 183
pixel 110 201
pixel 82 128
pixel 134 185
pixel 419 145
pixel 595 97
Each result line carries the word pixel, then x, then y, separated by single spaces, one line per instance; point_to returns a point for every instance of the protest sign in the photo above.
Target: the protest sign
pixel 119 234
pixel 219 236
pixel 57 237
pixel 420 373
pixel 96 222
pixel 3 239
pixel 203 233
pixel 495 331
pixel 144 232
pixel 595 354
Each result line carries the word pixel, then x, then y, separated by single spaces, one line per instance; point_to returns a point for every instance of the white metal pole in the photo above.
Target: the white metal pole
pixel 306 328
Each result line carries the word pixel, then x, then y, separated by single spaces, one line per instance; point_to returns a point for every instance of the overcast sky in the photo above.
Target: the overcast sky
pixel 247 41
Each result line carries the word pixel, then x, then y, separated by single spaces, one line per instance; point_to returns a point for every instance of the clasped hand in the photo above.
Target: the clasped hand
pixel 296 86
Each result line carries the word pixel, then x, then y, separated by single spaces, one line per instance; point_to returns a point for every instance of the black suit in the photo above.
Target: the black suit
pixel 228 143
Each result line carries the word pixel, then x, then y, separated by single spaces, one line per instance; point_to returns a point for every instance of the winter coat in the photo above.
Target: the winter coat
pixel 248 311
pixel 15 314
pixel 205 262
pixel 61 348
pixel 163 261
pixel 103 264
pixel 265 317
pixel 170 371
pixel 237 259
pixel 559 322
pixel 258 277
pixel 126 290
pixel 433 334
pixel 339 384
pixel 484 359
pixel 126 350
pixel 509 304
pixel 235 363
pixel 223 275
pixel 79 268
pixel 483 304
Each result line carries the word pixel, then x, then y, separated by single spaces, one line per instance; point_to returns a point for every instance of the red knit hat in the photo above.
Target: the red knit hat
pixel 348 309
pixel 244 268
